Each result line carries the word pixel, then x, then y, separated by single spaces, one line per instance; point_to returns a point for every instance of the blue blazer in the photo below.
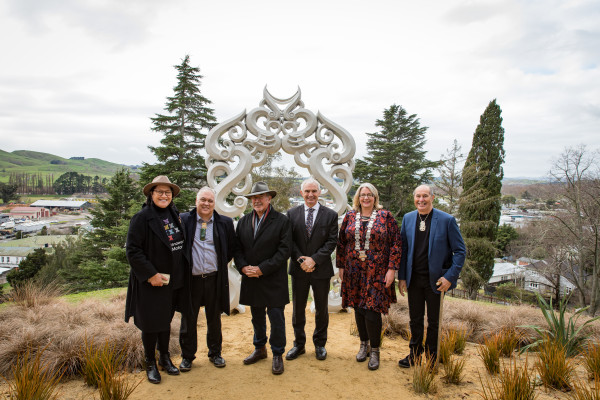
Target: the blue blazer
pixel 447 249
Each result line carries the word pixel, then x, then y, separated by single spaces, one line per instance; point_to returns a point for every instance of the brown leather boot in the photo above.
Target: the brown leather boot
pixel 364 351
pixel 257 354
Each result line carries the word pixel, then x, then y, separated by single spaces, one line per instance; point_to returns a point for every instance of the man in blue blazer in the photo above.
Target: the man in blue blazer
pixel 433 253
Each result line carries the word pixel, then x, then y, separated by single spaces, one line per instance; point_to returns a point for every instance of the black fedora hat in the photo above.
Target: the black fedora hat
pixel 260 188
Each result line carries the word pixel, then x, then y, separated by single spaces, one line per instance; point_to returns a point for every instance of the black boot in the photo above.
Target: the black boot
pixel 165 362
pixel 374 360
pixel 152 371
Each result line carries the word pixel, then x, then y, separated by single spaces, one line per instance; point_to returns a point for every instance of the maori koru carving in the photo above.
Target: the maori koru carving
pixel 248 138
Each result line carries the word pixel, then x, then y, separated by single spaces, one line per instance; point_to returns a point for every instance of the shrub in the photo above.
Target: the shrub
pixel 424 374
pixel 565 332
pixel 31 381
pixel 552 365
pixel 490 354
pixel 514 384
pixel 453 369
pixel 591 360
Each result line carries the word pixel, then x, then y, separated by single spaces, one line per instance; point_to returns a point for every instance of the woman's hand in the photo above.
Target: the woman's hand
pixel 156 280
pixel 389 277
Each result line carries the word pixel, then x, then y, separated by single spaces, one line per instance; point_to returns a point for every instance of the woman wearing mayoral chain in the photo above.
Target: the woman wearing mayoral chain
pixel 368 255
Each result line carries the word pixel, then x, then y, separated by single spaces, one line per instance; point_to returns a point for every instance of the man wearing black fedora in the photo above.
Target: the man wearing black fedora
pixel 265 244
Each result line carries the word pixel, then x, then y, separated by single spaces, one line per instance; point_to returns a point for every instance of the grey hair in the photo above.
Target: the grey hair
pixel 427 186
pixel 204 188
pixel 310 180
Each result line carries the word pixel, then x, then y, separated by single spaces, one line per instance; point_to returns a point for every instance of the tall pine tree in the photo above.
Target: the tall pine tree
pixel 183 128
pixel 479 205
pixel 396 162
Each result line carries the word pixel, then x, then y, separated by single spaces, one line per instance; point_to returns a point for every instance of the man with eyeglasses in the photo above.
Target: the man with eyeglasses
pixel 210 238
pixel 265 244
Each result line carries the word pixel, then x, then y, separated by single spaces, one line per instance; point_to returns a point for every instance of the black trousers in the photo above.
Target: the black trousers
pixel 204 293
pixel 300 288
pixel 420 294
pixel 152 340
pixel 259 323
pixel 368 323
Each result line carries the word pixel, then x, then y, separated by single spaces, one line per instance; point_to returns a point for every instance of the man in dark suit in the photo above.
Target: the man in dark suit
pixel 433 253
pixel 264 246
pixel 210 239
pixel 314 233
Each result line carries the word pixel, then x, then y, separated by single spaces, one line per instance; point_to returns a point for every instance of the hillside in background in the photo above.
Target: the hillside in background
pixel 34 162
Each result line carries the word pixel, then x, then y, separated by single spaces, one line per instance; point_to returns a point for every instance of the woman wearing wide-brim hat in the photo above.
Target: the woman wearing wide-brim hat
pixel 155 251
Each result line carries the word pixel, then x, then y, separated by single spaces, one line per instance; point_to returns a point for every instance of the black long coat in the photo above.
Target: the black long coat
pixel 318 246
pixel 269 250
pixel 149 252
pixel 224 239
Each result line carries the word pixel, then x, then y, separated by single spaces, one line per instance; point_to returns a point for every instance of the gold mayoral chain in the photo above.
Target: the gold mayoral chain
pixel 362 254
pixel 422 225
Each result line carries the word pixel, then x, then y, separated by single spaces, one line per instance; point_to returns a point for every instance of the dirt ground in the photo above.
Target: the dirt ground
pixel 337 377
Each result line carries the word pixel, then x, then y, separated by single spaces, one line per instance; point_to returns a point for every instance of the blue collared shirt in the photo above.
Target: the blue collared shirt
pixel 204 254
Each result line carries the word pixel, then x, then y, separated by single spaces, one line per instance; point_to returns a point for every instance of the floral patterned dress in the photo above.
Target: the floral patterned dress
pixel 364 281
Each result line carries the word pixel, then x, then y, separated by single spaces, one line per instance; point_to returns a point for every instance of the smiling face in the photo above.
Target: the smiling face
pixel 260 203
pixel 205 204
pixel 423 199
pixel 311 193
pixel 162 196
pixel 366 199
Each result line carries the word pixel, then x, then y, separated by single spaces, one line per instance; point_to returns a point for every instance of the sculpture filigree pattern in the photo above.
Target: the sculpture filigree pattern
pixel 247 139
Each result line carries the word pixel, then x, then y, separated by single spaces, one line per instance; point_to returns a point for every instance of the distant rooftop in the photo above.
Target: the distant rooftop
pixel 59 203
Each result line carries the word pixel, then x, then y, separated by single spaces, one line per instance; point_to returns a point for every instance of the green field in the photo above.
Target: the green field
pixel 33 162
pixel 34 241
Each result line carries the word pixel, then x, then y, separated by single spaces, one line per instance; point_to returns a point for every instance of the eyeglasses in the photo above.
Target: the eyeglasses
pixel 363 195
pixel 163 193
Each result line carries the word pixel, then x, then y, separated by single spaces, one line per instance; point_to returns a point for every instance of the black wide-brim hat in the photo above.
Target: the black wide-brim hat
pixel 260 188
pixel 161 180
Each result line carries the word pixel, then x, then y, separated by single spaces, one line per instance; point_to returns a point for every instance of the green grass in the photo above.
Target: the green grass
pixel 34 162
pixel 97 294
pixel 34 241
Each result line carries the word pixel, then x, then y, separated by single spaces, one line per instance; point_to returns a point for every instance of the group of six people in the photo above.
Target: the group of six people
pixel 179 263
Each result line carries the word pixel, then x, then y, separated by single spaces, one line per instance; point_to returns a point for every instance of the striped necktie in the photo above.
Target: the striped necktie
pixel 309 220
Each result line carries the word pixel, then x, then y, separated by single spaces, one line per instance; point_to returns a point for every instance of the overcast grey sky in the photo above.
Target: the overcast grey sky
pixel 83 77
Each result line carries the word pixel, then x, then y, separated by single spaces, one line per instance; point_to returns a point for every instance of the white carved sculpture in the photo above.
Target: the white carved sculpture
pixel 243 142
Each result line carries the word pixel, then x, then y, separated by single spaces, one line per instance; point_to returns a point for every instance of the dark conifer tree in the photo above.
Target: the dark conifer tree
pixel 184 130
pixel 479 205
pixel 396 162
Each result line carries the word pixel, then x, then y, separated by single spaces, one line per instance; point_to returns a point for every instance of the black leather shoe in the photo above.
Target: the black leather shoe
pixel 406 362
pixel 257 354
pixel 186 365
pixel 167 365
pixel 320 352
pixel 295 352
pixel 152 371
pixel 277 365
pixel 218 361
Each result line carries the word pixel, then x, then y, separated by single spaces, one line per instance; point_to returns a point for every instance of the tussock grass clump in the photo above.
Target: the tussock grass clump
pixel 581 391
pixel 514 383
pixel 490 354
pixel 115 387
pixel 424 375
pixel 30 294
pixel 461 340
pixel 98 361
pixel 591 360
pixel 31 380
pixel 453 369
pixel 447 345
pixel 555 370
pixel 508 341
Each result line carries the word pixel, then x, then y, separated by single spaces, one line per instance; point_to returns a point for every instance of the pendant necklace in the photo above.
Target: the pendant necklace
pixel 422 225
pixel 362 254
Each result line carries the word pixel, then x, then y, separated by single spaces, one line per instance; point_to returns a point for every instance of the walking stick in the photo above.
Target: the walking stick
pixel 439 338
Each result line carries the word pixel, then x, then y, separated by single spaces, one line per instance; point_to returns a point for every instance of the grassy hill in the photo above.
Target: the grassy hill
pixel 34 162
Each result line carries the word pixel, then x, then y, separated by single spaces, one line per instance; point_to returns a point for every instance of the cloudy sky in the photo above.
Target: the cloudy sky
pixel 83 77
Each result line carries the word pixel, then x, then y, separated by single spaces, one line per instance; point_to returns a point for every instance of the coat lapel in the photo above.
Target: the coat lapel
pixel 158 228
pixel 434 222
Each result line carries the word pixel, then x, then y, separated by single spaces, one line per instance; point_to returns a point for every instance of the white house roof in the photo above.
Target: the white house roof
pixel 503 268
pixel 59 203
